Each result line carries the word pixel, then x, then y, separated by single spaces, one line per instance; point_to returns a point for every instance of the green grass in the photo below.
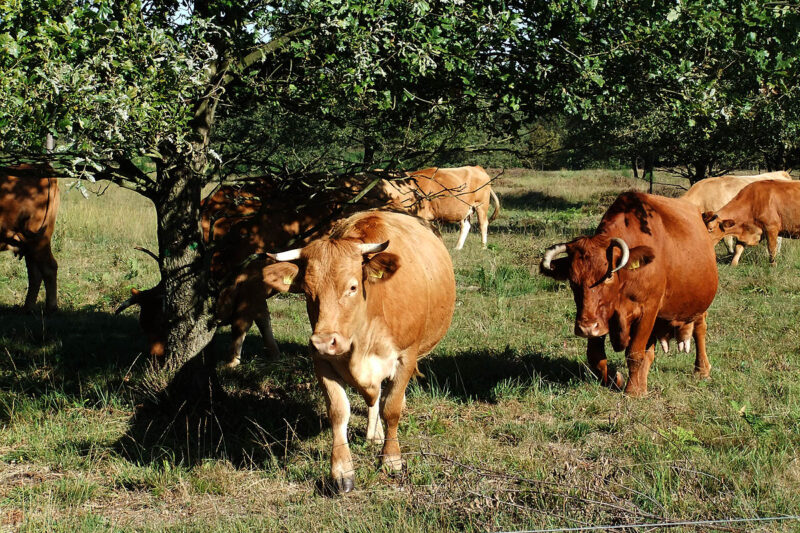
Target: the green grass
pixel 506 430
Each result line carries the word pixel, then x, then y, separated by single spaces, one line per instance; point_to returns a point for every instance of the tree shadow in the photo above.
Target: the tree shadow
pixel 482 374
pixel 263 412
pixel 536 201
pixel 77 352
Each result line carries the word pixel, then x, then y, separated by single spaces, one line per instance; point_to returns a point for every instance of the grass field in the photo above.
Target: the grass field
pixel 506 431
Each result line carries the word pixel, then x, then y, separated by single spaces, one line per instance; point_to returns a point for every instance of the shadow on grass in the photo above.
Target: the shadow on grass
pixel 266 409
pixel 536 201
pixel 485 375
pixel 69 351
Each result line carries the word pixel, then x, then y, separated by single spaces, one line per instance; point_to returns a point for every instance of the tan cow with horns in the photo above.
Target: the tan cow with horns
pixel 380 293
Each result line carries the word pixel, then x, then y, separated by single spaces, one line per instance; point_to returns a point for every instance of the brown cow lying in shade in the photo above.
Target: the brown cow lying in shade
pixel 768 209
pixel 711 194
pixel 380 294
pixel 449 195
pixel 28 207
pixel 650 264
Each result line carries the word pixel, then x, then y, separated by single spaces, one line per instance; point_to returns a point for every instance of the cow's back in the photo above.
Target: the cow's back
pixel 711 194
pixel 416 304
pixel 684 255
pixel 764 202
pixel 28 207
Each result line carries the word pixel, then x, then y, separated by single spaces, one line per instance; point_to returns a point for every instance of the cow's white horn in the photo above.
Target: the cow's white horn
pixel 622 245
pixel 551 252
pixel 373 248
pixel 288 255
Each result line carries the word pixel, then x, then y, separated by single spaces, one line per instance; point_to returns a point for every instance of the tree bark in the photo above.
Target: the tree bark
pixel 190 324
pixel 699 171
pixel 635 166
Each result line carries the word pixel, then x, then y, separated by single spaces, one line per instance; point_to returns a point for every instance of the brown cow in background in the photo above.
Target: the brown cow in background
pixel 650 264
pixel 768 209
pixel 447 195
pixel 711 194
pixel 242 221
pixel 28 208
pixel 380 294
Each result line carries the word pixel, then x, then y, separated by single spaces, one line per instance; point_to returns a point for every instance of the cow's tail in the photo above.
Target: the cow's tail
pixel 417 373
pixel 496 201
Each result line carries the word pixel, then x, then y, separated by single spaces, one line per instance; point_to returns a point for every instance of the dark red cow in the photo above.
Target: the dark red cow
pixel 649 265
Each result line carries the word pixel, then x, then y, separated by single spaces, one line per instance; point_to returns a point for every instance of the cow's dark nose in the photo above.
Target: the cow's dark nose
pixel 589 329
pixel 330 343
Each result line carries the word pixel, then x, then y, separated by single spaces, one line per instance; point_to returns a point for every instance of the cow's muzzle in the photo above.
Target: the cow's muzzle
pixel 590 328
pixel 330 343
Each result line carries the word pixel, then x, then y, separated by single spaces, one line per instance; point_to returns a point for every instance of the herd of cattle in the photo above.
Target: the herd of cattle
pixel 648 274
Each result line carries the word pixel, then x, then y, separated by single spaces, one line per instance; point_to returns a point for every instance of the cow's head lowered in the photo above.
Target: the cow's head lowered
pixel 719 228
pixel 336 276
pixel 598 269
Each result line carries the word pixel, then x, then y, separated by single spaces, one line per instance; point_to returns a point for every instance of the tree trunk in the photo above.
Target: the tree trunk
pixel 700 170
pixel 190 324
pixel 635 166
pixel 649 167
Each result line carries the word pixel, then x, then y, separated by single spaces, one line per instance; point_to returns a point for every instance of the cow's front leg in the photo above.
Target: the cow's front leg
pixel 34 283
pixel 333 388
pixel 596 356
pixel 737 254
pixel 772 245
pixel 239 328
pixel 393 402
pixel 264 324
pixel 374 426
pixel 640 355
pixel 702 367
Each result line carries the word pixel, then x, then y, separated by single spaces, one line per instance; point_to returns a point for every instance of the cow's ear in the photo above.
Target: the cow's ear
pixel 708 216
pixel 727 224
pixel 381 267
pixel 559 269
pixel 639 257
pixel 282 277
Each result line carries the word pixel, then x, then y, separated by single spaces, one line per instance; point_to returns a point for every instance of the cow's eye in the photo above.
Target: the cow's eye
pixel 353 289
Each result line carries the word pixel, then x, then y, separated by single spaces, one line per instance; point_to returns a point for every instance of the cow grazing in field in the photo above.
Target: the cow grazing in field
pixel 447 195
pixel 28 208
pixel 650 264
pixel 242 221
pixel 768 209
pixel 711 194
pixel 380 293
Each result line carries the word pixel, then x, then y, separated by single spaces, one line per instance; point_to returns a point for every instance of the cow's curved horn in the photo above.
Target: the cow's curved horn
pixel 124 305
pixel 148 252
pixel 626 253
pixel 288 255
pixel 551 252
pixel 373 248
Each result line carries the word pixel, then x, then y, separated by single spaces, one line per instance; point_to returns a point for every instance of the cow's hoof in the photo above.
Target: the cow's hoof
pixel 701 373
pixel 233 363
pixel 345 485
pixel 393 465
pixel 636 392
